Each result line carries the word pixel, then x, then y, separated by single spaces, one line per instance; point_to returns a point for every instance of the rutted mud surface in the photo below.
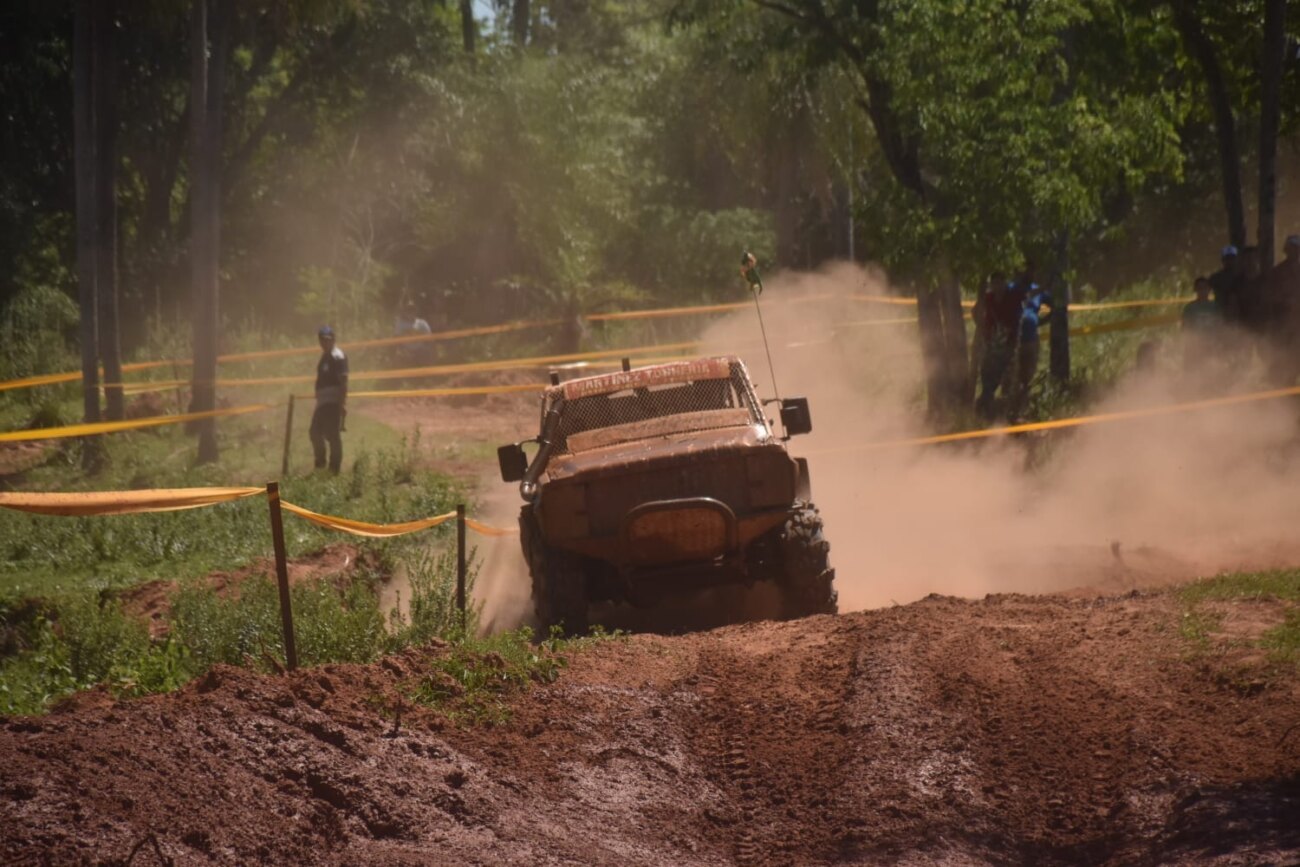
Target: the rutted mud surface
pixel 1010 730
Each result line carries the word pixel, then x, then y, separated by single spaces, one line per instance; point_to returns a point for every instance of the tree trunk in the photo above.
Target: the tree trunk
pixel 1059 334
pixel 519 21
pixel 468 30
pixel 104 86
pixel 943 349
pixel 203 240
pixel 930 325
pixel 958 384
pixel 84 158
pixel 1198 45
pixel 1271 66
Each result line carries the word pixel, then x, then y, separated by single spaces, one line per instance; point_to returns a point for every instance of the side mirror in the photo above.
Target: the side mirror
pixel 795 418
pixel 513 461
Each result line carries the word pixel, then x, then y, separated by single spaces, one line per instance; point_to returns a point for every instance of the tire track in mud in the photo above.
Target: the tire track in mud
pixel 775 752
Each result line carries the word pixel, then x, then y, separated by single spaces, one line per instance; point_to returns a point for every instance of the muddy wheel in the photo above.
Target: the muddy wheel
pixel 559 581
pixel 806 578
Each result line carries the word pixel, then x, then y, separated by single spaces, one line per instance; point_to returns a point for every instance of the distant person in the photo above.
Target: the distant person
pixel 1005 306
pixel 331 402
pixel 1202 323
pixel 1202 314
pixel 1226 283
pixel 408 323
pixel 1280 298
pixel 1251 306
pixel 981 315
pixel 1029 349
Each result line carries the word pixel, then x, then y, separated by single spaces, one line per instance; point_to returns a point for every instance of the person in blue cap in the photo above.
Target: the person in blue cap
pixel 331 402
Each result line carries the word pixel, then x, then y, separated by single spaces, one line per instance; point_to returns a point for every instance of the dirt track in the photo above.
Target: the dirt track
pixel 1011 730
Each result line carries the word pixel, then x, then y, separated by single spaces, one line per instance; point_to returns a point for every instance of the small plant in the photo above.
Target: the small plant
pixel 473 681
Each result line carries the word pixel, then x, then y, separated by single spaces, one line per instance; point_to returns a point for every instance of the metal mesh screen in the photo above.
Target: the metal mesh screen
pixel 696 405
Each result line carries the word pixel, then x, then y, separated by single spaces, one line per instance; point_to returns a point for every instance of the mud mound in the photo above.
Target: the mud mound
pixel 1012 730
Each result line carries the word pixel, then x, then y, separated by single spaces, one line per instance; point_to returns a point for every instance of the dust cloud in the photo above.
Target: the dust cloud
pixel 1109 507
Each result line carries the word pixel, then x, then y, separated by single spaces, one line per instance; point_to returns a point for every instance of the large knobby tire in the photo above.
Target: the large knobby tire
pixel 806 578
pixel 559 581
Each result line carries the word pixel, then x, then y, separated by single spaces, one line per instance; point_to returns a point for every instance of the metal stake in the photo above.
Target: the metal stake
pixel 282 574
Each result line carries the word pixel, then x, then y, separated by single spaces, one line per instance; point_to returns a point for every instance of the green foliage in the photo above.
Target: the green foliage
pixel 88 640
pixel 49 556
pixel 431 576
pixel 475 679
pixel 35 325
pixel 1201 622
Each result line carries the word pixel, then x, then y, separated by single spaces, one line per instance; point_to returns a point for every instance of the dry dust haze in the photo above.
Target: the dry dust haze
pixel 1110 507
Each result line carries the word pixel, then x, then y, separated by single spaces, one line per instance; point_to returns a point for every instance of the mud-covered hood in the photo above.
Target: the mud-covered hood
pixel 638 454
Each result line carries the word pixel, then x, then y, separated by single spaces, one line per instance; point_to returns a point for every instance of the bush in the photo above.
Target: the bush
pixel 34 328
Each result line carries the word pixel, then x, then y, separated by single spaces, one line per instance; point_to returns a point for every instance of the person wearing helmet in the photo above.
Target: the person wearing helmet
pixel 331 402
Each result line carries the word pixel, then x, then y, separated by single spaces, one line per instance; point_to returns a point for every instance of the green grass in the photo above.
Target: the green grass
pixel 50 556
pixel 1200 625
pixel 474 681
pixel 89 640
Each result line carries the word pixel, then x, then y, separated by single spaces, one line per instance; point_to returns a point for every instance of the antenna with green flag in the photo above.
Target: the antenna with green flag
pixel 749 271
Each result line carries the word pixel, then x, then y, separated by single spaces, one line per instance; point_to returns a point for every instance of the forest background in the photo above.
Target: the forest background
pixel 534 159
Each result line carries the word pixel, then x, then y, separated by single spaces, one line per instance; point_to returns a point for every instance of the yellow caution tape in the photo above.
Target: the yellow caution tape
pixel 33 381
pixel 488 530
pixel 1123 305
pixel 1126 325
pixel 447 392
pixel 81 430
pixel 122 502
pixel 443 369
pixel 1057 424
pixel 363 528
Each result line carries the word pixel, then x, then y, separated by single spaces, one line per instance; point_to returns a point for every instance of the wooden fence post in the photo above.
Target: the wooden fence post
pixel 282 574
pixel 460 566
pixel 288 438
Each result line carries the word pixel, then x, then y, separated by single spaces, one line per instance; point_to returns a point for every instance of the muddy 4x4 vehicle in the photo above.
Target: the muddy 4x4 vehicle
pixel 664 480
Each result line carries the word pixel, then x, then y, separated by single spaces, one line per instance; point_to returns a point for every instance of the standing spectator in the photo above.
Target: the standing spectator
pixel 1202 315
pixel 1027 353
pixel 1006 304
pixel 981 315
pixel 331 402
pixel 1202 322
pixel 1280 300
pixel 1251 305
pixel 1226 284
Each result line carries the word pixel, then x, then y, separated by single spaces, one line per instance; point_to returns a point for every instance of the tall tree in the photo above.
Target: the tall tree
pixel 206 79
pixel 105 137
pixel 520 13
pixel 1197 43
pixel 468 29
pixel 1272 64
pixel 84 157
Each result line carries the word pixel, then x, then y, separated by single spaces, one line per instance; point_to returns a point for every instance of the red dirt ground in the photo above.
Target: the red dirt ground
pixel 1022 730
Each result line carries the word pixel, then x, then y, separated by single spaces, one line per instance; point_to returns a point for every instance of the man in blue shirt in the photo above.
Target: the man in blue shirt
pixel 331 402
pixel 1028 352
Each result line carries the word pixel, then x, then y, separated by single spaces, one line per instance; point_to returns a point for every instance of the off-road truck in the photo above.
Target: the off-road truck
pixel 665 480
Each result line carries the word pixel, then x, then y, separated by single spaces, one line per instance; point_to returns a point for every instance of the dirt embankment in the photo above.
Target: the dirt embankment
pixel 1012 730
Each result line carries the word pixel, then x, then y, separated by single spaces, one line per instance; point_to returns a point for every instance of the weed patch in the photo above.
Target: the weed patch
pixel 474 680
pixel 1270 651
pixel 88 640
